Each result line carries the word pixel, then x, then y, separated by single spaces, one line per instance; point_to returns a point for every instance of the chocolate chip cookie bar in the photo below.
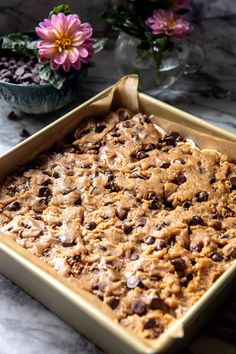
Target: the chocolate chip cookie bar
pixel 140 217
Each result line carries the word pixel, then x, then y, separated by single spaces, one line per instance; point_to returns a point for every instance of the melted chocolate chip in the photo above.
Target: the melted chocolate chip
pixel 100 127
pixel 232 253
pixel 133 282
pixel 233 181
pixel 142 221
pixel 149 323
pixel 73 260
pixel 115 134
pixel 197 247
pixel 24 133
pixel 112 186
pixel 180 179
pixel 127 228
pixel 160 245
pixel 179 264
pixel 140 154
pixel 216 257
pixel 202 196
pixel 134 256
pixel 156 303
pixel 55 174
pixel 172 138
pixel 14 206
pixel 165 165
pixel 44 192
pixel 113 303
pixel 196 220
pixel 68 243
pixel 186 204
pixel 179 162
pixel 150 147
pixel 212 180
pixel 154 204
pixel 139 307
pixel 46 182
pixel 91 225
pixel 122 214
pixel 150 240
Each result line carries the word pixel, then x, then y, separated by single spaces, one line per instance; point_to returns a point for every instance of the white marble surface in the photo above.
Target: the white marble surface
pixel 26 327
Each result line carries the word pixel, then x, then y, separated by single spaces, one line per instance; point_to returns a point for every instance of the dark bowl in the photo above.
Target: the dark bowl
pixel 40 98
pixel 45 98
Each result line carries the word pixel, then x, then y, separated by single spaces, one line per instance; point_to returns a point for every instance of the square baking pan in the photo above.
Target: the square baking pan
pixel 76 306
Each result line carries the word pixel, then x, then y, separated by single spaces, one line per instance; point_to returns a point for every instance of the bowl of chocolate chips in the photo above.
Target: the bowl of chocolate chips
pixel 22 87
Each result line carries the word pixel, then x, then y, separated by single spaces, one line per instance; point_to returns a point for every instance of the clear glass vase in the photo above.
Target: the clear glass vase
pixel 182 58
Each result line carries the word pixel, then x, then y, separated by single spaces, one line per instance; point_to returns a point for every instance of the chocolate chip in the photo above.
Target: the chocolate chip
pixel 112 186
pixel 127 228
pixel 151 195
pixel 149 323
pixel 217 216
pixel 128 124
pixel 156 303
pixel 14 206
pixel 140 155
pixel 155 278
pixel 24 133
pixel 99 127
pixel 149 147
pixel 134 256
pixel 154 204
pixel 46 182
pixel 91 225
pixel 172 138
pixel 160 245
pixel 202 196
pixel 186 204
pixel 179 264
pixel 133 282
pixel 180 179
pixel 20 71
pixel 197 247
pixel 142 221
pixel 179 162
pixel 55 174
pixel 95 286
pixel 216 257
pixel 73 260
pixel 168 205
pixel 139 307
pixel 44 192
pixel 150 240
pixel 165 165
pixel 212 180
pixel 233 181
pixel 12 116
pixel 68 243
pixel 122 214
pixel 115 134
pixel 232 253
pixel 78 201
pixel 196 220
pixel 113 303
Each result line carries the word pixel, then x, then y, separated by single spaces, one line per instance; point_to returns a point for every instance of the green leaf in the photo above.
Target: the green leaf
pixel 54 77
pixel 65 8
pixel 20 43
pixel 99 44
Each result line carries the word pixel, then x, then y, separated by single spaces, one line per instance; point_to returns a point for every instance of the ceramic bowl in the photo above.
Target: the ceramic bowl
pixel 40 98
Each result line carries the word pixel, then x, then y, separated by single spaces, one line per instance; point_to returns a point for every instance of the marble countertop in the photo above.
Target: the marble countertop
pixel 209 94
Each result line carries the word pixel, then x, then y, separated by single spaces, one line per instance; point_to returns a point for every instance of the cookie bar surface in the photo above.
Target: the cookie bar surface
pixel 141 218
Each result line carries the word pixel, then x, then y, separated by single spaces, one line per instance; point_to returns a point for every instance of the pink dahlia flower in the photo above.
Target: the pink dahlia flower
pixel 65 41
pixel 169 23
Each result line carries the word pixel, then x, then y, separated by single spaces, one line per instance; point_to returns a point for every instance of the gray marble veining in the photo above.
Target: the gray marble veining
pixel 26 327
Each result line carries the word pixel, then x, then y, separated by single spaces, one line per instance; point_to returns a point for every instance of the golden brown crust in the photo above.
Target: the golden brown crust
pixel 139 217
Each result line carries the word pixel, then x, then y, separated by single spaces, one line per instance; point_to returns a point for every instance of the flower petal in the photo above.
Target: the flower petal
pixel 60 58
pixel 73 55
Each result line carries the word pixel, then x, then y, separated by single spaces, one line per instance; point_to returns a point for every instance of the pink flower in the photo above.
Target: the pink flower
pixel 65 41
pixel 169 23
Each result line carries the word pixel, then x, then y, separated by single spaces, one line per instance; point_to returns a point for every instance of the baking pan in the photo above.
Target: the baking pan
pixel 77 307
